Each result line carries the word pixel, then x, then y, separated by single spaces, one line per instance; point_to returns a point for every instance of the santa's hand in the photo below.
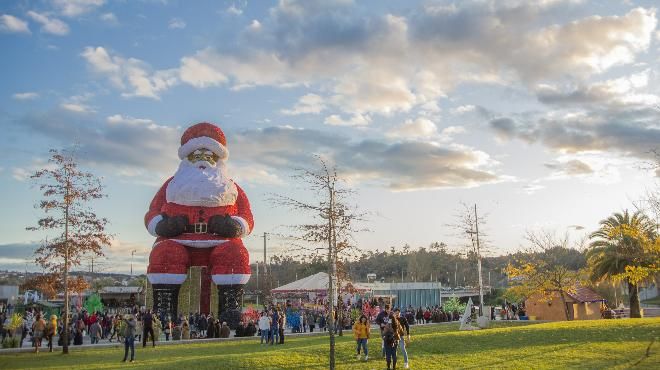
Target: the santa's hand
pixel 224 226
pixel 171 226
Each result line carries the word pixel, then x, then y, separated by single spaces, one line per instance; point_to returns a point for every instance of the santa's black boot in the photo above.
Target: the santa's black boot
pixel 230 298
pixel 166 299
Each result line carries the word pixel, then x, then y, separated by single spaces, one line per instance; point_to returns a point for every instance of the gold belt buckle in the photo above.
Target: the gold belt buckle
pixel 201 228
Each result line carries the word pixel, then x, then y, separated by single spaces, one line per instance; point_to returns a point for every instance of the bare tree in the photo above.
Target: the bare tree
pixel 467 223
pixel 67 192
pixel 334 227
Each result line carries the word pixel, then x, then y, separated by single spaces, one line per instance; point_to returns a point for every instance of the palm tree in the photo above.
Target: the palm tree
pixel 619 243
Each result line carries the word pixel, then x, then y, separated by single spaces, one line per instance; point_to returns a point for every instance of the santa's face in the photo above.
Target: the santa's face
pixel 203 158
pixel 202 180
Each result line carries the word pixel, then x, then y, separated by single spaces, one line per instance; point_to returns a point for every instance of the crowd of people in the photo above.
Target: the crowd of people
pixel 269 324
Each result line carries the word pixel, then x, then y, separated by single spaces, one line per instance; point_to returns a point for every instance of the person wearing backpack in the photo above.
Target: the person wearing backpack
pixel 128 332
pixel 392 334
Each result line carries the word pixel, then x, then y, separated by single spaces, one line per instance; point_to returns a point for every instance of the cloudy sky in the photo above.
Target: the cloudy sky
pixel 543 114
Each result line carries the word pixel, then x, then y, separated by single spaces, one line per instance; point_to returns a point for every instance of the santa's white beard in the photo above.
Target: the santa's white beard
pixel 208 187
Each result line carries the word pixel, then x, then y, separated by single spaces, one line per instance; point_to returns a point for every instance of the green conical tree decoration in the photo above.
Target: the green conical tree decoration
pixel 93 303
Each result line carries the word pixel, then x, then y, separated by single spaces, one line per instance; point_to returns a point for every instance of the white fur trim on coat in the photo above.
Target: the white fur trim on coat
pixel 203 142
pixel 157 278
pixel 230 279
pixel 245 227
pixel 200 243
pixel 151 227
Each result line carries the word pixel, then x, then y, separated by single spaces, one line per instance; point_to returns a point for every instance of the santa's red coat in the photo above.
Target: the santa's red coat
pixel 172 256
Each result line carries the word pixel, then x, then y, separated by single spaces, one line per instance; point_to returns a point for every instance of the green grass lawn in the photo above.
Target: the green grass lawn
pixel 577 344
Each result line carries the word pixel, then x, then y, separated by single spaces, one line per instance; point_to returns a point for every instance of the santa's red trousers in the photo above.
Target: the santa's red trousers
pixel 228 262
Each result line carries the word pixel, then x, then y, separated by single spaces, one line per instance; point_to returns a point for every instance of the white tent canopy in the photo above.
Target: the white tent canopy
pixel 316 283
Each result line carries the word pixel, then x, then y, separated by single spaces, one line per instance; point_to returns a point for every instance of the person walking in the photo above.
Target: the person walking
pixel 95 332
pixel 274 328
pixel 78 329
pixel 185 330
pixel 361 331
pixel 51 330
pixel 38 331
pixel 311 321
pixel 129 337
pixel 391 336
pixel 282 325
pixel 264 327
pixel 382 319
pixel 224 330
pixel 403 322
pixel 148 328
pixel 167 329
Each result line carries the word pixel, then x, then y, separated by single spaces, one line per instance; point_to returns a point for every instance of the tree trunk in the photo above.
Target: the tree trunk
pixel 340 307
pixel 563 303
pixel 635 311
pixel 333 272
pixel 65 327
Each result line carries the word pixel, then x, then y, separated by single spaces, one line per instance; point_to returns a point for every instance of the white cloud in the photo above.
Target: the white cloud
pixel 133 76
pixel 533 187
pixel 198 74
pixel 234 10
pixel 74 8
pixel 307 104
pixel 20 174
pixel 25 96
pixel 355 120
pixel 255 25
pixel 629 90
pixel 24 173
pixel 256 175
pixel 73 107
pixel 49 25
pixel 391 64
pixel 119 119
pixel 176 23
pixel 101 61
pixel 453 130
pixel 405 165
pixel 109 18
pixel 11 24
pixel 78 104
pixel 119 142
pixel 387 64
pixel 420 128
pixel 462 109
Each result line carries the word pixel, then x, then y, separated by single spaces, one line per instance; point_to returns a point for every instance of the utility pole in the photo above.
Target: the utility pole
pixel 132 254
pixel 490 287
pixel 257 263
pixel 265 274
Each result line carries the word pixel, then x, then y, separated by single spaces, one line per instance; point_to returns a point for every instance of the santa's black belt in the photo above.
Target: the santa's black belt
pixel 197 228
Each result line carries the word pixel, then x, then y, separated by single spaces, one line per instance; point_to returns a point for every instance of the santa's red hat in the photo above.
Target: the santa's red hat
pixel 203 135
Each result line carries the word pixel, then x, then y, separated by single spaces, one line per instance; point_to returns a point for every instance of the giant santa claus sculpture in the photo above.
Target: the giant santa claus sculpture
pixel 199 217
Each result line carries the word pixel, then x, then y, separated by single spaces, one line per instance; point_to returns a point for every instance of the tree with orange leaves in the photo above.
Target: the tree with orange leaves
pixel 67 192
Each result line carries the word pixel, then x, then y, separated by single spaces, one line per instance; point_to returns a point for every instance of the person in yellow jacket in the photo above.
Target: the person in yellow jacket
pixel 361 331
pixel 51 330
